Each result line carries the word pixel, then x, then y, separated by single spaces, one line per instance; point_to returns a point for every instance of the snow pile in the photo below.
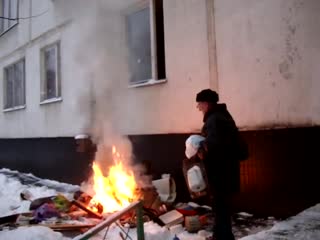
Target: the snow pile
pixel 10 200
pixel 31 233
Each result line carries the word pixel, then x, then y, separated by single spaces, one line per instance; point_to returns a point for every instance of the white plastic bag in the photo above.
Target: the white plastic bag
pixel 192 145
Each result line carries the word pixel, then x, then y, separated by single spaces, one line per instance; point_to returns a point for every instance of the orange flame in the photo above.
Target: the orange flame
pixel 118 189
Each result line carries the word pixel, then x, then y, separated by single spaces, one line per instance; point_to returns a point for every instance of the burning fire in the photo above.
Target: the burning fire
pixel 115 191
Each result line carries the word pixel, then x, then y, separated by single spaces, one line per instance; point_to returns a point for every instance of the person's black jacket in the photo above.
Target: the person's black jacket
pixel 221 164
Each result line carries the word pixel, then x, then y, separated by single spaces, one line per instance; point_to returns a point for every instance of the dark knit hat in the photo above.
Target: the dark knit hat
pixel 207 95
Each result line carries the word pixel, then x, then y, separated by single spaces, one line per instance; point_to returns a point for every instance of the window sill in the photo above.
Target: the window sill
pixel 148 83
pixel 51 100
pixel 14 108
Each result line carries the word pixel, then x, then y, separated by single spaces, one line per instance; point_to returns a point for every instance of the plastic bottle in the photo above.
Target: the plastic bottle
pixel 195 179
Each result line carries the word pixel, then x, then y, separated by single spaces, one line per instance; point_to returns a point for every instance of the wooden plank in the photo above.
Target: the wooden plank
pixel 84 208
pixel 65 227
pixel 9 219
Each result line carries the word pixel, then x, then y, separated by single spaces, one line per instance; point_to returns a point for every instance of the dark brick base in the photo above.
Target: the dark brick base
pixel 51 158
pixel 280 179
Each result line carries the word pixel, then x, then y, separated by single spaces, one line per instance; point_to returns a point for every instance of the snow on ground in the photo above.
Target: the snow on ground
pixel 31 233
pixel 304 226
pixel 12 183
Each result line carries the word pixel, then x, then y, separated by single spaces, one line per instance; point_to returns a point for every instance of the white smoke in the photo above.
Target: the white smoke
pixel 100 56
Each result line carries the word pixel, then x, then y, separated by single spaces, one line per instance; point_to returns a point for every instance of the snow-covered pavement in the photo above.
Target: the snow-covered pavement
pixel 304 226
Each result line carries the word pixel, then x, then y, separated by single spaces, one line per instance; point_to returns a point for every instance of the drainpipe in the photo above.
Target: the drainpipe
pixel 212 50
pixel 30 21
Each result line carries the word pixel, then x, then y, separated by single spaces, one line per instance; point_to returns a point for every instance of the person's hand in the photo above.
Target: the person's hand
pixel 201 153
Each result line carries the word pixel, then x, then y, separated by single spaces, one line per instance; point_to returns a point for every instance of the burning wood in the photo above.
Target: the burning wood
pixel 86 200
pixel 117 190
pixel 86 209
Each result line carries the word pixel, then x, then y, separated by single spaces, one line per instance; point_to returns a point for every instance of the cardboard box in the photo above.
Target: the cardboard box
pixel 171 218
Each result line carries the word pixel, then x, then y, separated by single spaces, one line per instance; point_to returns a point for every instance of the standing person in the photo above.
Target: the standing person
pixel 217 152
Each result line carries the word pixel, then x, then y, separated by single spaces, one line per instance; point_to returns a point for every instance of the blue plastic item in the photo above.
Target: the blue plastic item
pixel 176 238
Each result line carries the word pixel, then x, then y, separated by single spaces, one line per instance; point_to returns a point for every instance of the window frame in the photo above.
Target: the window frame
pixel 4 30
pixel 153 45
pixel 5 82
pixel 44 99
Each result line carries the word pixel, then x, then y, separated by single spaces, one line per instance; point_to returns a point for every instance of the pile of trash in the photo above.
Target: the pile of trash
pixel 58 206
pixel 189 217
pixel 56 212
pixel 177 217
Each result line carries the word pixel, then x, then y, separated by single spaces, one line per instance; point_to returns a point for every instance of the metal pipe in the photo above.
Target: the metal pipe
pixel 140 230
pixel 114 217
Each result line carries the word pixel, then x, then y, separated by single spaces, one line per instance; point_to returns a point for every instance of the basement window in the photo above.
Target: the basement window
pixel 14 86
pixel 145 29
pixel 9 12
pixel 50 73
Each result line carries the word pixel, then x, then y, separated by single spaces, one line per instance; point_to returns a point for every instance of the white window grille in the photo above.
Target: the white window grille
pixel 50 74
pixel 14 85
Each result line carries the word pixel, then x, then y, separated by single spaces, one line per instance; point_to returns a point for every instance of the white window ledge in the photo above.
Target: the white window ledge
pixel 51 100
pixel 147 83
pixel 14 108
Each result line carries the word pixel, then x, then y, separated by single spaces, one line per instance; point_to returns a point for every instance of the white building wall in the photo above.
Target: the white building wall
pixel 170 107
pixel 268 54
pixel 26 40
pixel 94 78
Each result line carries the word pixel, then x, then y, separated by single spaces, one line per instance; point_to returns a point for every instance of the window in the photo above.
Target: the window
pixel 146 43
pixel 14 85
pixel 9 10
pixel 50 79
